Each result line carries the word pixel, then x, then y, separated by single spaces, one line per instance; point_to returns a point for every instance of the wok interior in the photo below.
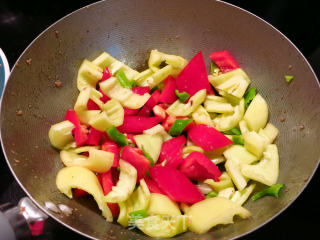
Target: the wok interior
pixel 129 32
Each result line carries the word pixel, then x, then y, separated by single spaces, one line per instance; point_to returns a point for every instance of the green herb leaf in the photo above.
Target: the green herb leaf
pixel 124 81
pixel 183 97
pixel 274 191
pixel 214 68
pixel 289 78
pixel 249 96
pixel 178 126
pixel 147 156
pixel 117 136
pixel 211 194
pixel 238 139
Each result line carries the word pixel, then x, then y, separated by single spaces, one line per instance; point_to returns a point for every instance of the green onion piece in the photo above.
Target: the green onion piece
pixel 118 169
pixel 137 215
pixel 274 191
pixel 124 81
pixel 249 96
pixel 148 156
pixel 178 126
pixel 148 174
pixel 214 68
pixel 183 97
pixel 117 136
pixel 211 194
pixel 120 152
pixel 289 78
pixel 238 139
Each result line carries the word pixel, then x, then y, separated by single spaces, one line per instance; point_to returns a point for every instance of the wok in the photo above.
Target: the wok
pixel 129 32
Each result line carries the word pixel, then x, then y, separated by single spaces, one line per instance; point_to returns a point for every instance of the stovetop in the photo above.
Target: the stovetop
pixel 22 21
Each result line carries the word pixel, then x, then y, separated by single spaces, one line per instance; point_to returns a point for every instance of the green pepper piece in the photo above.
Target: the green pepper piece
pixel 289 78
pixel 249 96
pixel 124 81
pixel 274 191
pixel 178 126
pixel 211 194
pixel 183 97
pixel 235 131
pixel 214 68
pixel 137 215
pixel 238 139
pixel 117 136
pixel 148 156
pixel 153 89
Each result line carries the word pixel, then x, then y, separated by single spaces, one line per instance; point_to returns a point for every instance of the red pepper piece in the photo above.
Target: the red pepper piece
pixel 171 151
pixel 153 187
pixel 136 159
pixel 167 123
pixel 208 137
pixel 168 94
pixel 131 137
pixel 104 97
pixel 110 146
pixel 91 105
pixel 147 108
pixel 79 193
pixel 94 137
pixel 137 124
pixel 115 174
pixel 141 90
pixel 130 112
pixel 36 228
pixel 175 184
pixel 194 76
pixel 81 135
pixel 198 166
pixel 224 61
pixel 107 184
pixel 72 117
pixel 106 75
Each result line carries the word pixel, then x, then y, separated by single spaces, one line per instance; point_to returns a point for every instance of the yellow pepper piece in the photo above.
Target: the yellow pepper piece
pixel 88 75
pixel 60 134
pixel 156 58
pixel 162 205
pixel 82 178
pixel 225 182
pixel 213 211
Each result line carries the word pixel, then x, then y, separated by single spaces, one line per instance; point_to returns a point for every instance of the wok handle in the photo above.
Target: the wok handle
pixel 13 226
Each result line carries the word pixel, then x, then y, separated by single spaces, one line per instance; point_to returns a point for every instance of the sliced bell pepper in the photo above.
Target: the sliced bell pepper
pixel 137 124
pixel 152 185
pixel 104 97
pixel 110 146
pixel 106 75
pixel 130 112
pixel 197 166
pixel 224 61
pixel 147 108
pixel 178 126
pixel 107 184
pixel 137 160
pixel 141 90
pixel 168 92
pixel 79 193
pixel 208 137
pixel 175 184
pixel 117 136
pixel 194 77
pixel 80 131
pixel 94 137
pixel 167 123
pixel 183 96
pixel 91 105
pixel 124 81
pixel 171 151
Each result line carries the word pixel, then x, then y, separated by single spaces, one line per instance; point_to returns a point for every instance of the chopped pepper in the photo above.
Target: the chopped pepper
pixel 211 194
pixel 183 96
pixel 249 96
pixel 117 136
pixel 238 139
pixel 274 191
pixel 178 126
pixel 124 81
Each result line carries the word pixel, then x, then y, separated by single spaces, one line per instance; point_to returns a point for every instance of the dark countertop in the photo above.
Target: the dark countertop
pixel 22 21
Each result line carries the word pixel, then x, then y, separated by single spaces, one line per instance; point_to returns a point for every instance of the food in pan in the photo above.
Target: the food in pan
pixel 171 148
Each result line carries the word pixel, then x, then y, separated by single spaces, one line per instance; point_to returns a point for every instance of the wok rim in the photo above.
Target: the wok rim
pixel 98 2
